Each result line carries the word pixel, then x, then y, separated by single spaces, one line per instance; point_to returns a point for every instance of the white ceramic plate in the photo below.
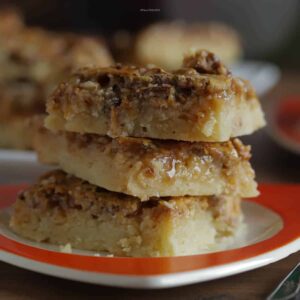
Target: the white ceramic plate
pixel 272 233
pixel 262 75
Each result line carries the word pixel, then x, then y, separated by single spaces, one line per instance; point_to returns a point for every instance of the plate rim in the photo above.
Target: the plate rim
pixel 272 70
pixel 17 155
pixel 153 281
pixel 275 251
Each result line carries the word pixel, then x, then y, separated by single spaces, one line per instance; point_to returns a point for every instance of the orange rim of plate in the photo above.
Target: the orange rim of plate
pixel 282 199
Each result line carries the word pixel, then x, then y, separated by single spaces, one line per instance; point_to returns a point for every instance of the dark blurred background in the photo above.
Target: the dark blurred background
pixel 270 28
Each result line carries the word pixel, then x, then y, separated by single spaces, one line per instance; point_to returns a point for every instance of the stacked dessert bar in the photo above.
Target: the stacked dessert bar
pixel 150 165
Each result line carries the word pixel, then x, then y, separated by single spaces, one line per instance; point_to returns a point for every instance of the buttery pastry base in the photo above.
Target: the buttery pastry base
pixel 62 209
pixel 146 168
pixel 200 102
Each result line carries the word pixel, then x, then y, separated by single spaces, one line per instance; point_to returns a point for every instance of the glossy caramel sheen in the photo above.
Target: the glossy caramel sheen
pixel 94 89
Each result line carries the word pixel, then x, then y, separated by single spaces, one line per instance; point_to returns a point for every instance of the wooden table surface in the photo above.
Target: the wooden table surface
pixel 272 164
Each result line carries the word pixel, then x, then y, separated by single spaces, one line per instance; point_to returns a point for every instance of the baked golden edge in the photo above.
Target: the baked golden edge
pixel 62 209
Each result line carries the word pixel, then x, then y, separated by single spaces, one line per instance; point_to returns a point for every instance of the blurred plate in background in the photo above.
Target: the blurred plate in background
pixel 263 75
pixel 19 166
pixel 17 155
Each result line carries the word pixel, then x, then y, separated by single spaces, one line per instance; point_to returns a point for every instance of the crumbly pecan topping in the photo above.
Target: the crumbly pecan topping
pixel 205 62
pixel 59 189
pixel 97 90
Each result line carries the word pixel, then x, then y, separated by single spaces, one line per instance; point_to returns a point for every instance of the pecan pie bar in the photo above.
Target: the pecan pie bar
pixel 145 168
pixel 164 44
pixel 62 209
pixel 32 63
pixel 200 102
pixel 19 101
pixel 44 57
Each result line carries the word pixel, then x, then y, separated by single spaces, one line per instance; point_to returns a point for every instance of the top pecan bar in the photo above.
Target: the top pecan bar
pixel 202 101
